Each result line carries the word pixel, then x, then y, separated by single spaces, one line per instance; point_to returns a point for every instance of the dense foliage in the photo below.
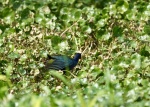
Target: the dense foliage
pixel 113 36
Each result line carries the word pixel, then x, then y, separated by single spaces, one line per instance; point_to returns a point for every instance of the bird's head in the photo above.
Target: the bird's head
pixel 77 56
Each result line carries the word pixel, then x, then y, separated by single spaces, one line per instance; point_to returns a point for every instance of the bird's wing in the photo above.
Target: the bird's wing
pixel 59 63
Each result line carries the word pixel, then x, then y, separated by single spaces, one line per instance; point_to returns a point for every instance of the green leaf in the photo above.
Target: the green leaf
pixel 99 33
pixel 131 15
pixel 65 17
pixel 147 29
pixel 9 16
pixel 3 27
pixel 39 18
pixel 117 31
pixel 81 99
pixel 77 14
pixel 144 52
pixel 9 69
pixel 106 36
pixel 122 6
pixel 101 23
pixel 59 76
pixel 3 62
pixel 13 55
pixel 25 13
pixel 55 40
pixel 136 60
pixel 6 81
pixel 21 70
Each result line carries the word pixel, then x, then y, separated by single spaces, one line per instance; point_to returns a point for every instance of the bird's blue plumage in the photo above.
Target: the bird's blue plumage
pixel 62 62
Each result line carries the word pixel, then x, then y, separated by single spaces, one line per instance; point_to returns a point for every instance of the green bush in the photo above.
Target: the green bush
pixel 113 36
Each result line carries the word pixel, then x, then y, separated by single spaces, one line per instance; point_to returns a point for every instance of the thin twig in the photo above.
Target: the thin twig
pixel 68 28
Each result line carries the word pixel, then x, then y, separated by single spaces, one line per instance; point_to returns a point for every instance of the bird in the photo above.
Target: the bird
pixel 62 62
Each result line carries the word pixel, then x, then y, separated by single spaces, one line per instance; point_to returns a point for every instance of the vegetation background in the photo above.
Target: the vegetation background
pixel 114 36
